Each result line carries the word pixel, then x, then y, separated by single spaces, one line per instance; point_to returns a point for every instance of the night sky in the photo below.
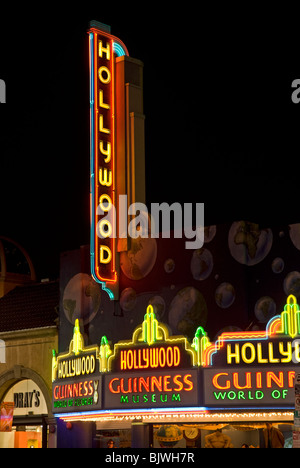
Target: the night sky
pixel 220 125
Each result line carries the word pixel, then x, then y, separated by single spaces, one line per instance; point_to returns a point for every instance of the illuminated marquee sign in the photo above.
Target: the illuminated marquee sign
pixel 255 368
pixel 155 370
pixel 151 370
pixel 76 377
pixel 103 48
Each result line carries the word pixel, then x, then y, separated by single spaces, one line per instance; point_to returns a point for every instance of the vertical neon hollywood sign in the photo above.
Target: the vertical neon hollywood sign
pixel 103 47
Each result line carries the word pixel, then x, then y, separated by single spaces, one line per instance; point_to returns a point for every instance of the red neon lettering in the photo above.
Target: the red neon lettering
pixel 236 380
pixel 176 380
pixel 75 390
pixel 135 385
pixel 278 380
pixel 190 384
pixel 129 386
pixel 156 383
pixel 166 383
pixel 216 383
pixel 258 380
pixel 291 378
pixel 56 392
pixel 110 386
pixel 144 383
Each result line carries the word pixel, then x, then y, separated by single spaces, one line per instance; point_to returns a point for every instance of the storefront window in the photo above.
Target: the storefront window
pixel 25 427
pixel 233 435
pixel 22 437
pixel 119 438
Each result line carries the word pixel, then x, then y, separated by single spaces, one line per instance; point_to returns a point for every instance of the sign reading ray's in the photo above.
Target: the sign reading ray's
pixel 103 47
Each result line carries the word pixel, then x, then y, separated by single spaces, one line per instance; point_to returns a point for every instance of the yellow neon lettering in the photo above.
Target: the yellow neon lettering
pixel 243 352
pixel 169 356
pixel 103 179
pixel 146 358
pixel 104 49
pixel 271 354
pixel 123 360
pixel 105 232
pixel 107 151
pixel 260 359
pixel 231 355
pixel 130 359
pixel 288 353
pixel 176 356
pixel 162 357
pixel 101 126
pixel 154 358
pixel 101 103
pixel 108 257
pixel 102 78
pixel 105 199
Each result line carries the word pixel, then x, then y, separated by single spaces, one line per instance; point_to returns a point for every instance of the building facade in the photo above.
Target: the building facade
pixel 28 333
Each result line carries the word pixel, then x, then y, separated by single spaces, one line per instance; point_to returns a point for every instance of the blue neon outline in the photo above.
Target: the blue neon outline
pixel 118 49
pixel 173 410
pixel 92 169
pixel 125 411
pixel 266 337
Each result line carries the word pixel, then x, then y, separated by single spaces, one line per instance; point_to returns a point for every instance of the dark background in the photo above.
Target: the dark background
pixel 220 124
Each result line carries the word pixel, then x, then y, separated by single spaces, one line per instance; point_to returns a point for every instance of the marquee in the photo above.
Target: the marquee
pixel 156 370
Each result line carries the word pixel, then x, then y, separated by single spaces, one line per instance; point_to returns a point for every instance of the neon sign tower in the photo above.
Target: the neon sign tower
pixel 116 148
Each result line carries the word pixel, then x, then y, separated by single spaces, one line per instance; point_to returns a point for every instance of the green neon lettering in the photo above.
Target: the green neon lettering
pixel 276 394
pixel 220 395
pixel 176 397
